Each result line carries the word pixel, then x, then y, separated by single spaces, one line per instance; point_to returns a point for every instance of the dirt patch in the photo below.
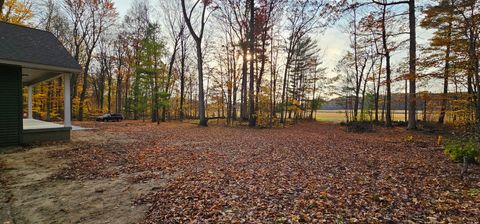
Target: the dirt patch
pixel 29 194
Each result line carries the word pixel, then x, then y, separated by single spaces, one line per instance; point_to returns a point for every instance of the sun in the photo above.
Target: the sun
pixel 249 56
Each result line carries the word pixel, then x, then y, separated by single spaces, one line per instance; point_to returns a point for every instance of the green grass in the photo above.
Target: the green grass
pixel 330 115
pixel 339 115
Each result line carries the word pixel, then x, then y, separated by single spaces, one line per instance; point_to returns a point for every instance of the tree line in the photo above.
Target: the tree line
pixel 259 61
pixel 379 29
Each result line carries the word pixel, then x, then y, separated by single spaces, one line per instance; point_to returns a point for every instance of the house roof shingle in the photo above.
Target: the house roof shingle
pixel 33 46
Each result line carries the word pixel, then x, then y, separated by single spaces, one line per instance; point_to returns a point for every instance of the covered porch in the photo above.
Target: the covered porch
pixel 28 57
pixel 35 130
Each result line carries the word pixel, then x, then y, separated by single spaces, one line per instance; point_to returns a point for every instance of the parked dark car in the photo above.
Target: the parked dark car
pixel 110 117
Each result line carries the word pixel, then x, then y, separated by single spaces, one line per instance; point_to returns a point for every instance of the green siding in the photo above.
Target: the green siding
pixel 11 123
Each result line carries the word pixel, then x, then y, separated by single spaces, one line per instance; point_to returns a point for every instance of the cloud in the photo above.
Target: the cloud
pixel 334 44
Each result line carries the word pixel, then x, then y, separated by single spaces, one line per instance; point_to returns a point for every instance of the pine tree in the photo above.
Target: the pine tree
pixel 149 76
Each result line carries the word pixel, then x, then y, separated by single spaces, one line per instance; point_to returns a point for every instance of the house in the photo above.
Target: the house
pixel 27 57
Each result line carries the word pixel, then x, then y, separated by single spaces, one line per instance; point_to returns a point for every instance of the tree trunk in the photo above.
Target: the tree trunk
pixel 127 89
pixel 169 76
pixel 357 80
pixel 388 101
pixel 155 90
pixel 284 95
pixel 109 96
pixel 477 81
pixel 412 106
pixel 388 80
pixel 229 86
pixel 243 105
pixel 383 106
pixel 201 94
pixel 362 115
pixel 74 79
pixel 84 89
pixel 182 79
pixel 235 89
pixel 272 92
pixel 313 93
pixel 425 110
pixel 441 118
pixel 50 89
pixel 405 105
pixel 118 99
pixel 251 92
pixel 198 42
pixel 377 93
pixel 475 71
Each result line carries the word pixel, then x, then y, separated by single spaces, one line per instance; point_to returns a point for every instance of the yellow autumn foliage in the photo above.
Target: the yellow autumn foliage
pixel 16 12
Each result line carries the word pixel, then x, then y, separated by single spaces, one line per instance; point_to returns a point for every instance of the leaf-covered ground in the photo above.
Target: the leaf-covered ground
pixel 310 172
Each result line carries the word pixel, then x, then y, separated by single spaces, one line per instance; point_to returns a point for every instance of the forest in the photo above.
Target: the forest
pixel 261 62
pixel 254 111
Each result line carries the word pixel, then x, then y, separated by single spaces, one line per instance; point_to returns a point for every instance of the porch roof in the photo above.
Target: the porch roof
pixel 38 52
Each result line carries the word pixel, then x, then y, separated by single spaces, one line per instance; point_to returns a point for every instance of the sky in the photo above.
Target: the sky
pixel 123 5
pixel 334 42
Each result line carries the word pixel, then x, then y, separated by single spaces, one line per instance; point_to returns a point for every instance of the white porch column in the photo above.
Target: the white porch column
pixel 67 117
pixel 30 93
